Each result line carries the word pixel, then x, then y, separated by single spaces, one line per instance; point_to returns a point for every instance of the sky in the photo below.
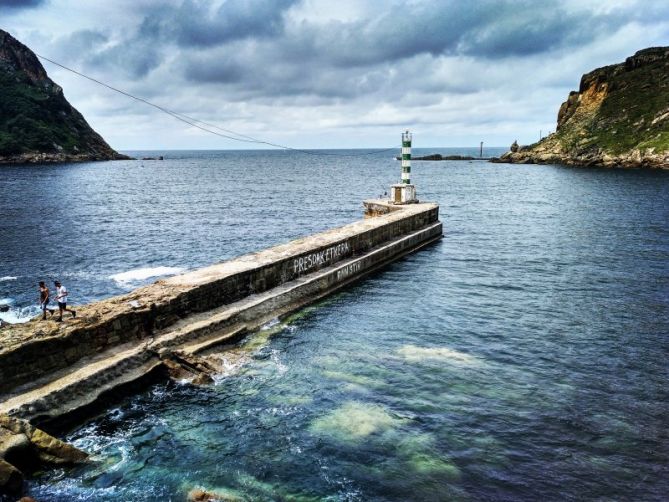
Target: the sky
pixel 325 74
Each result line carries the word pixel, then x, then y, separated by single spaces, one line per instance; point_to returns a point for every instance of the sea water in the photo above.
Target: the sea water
pixel 523 357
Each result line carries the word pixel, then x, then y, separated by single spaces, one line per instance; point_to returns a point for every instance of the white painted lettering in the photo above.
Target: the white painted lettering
pixel 317 259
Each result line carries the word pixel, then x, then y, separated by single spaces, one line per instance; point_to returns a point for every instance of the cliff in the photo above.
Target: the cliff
pixel 37 124
pixel 619 117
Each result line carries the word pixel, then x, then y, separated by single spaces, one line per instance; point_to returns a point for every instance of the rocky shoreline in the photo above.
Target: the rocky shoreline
pixel 545 155
pixel 54 158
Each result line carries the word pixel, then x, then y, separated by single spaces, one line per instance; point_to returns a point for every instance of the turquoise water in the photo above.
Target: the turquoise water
pixel 524 357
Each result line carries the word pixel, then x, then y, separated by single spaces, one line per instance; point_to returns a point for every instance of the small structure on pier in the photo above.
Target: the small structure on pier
pixel 404 192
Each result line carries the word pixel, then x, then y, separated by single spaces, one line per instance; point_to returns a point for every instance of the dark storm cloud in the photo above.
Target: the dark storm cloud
pixel 21 4
pixel 251 44
pixel 94 50
pixel 381 65
pixel 193 25
pixel 490 29
pixel 339 59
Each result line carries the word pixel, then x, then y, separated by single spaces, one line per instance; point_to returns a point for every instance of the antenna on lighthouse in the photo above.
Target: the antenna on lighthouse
pixel 404 192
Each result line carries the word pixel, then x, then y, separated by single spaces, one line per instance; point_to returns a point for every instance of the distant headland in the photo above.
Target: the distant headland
pixel 618 118
pixel 37 124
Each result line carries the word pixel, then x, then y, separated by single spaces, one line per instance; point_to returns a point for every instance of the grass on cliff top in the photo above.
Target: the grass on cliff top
pixel 624 120
pixel 636 98
pixel 33 120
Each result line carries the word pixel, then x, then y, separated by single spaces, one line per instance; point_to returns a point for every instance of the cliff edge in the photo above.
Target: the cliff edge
pixel 619 117
pixel 37 124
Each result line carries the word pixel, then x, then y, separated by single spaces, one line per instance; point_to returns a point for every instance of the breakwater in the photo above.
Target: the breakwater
pixel 50 370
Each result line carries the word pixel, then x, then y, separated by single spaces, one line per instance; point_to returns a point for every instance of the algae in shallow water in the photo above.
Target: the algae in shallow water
pixel 360 380
pixel 354 421
pixel 414 353
pixel 422 463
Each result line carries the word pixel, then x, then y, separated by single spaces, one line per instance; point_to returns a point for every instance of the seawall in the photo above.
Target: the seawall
pixel 50 370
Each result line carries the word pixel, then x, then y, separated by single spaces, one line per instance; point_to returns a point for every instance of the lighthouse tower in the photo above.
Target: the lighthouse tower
pixel 404 192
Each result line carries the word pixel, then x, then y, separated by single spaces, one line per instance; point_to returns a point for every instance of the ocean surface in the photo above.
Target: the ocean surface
pixel 524 357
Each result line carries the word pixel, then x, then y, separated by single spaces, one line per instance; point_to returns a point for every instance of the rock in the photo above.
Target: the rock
pixel 38 124
pixel 18 438
pixel 11 479
pixel 54 451
pixel 618 118
pixel 202 379
pixel 438 156
pixel 197 370
pixel 25 448
pixel 16 448
pixel 200 495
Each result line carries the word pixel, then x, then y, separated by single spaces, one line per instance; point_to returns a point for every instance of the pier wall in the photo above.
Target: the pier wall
pixel 36 350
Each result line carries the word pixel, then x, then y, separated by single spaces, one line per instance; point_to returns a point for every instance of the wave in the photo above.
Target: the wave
pixel 141 274
pixel 8 278
pixel 17 315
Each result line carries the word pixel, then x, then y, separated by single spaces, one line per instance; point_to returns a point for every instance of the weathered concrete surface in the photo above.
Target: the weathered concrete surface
pixel 48 370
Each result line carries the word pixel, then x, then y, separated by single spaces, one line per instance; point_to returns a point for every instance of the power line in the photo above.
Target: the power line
pixel 192 121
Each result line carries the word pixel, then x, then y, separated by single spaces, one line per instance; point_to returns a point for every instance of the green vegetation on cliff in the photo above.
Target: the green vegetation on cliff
pixel 32 119
pixel 36 121
pixel 634 113
pixel 618 117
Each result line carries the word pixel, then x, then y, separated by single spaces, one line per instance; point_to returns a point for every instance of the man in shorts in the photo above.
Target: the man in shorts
pixel 61 298
pixel 44 299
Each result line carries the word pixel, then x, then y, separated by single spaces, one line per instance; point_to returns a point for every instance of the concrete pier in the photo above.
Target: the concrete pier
pixel 52 370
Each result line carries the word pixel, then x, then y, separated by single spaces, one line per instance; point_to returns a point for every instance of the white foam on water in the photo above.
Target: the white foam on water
pixel 8 278
pixel 141 274
pixel 17 315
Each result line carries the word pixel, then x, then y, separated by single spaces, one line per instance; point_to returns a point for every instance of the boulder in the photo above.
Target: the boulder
pixel 200 495
pixel 11 479
pixel 25 448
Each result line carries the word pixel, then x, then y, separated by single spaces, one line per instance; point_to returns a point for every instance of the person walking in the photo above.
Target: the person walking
pixel 44 299
pixel 61 298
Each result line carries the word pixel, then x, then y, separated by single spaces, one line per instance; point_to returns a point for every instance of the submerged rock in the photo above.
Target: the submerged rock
pixel 354 421
pixel 200 495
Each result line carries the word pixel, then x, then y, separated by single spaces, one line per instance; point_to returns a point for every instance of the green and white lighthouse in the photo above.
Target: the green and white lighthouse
pixel 406 157
pixel 404 192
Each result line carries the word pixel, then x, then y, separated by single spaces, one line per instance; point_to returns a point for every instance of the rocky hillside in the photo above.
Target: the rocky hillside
pixel 618 118
pixel 37 124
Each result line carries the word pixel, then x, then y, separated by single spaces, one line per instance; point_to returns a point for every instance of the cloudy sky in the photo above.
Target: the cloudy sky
pixel 319 73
